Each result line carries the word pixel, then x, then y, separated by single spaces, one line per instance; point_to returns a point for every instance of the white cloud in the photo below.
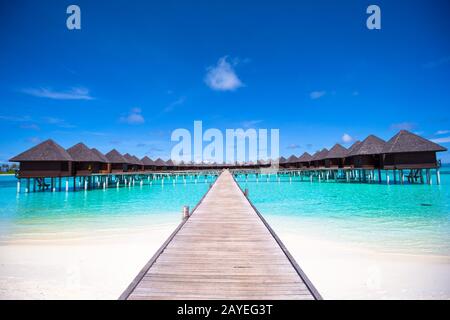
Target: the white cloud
pixel 347 138
pixel 293 146
pixel 437 63
pixel 403 126
pixel 250 123
pixel 441 140
pixel 317 94
pixel 174 104
pixel 134 117
pixel 223 77
pixel 439 132
pixel 30 126
pixel 57 122
pixel 34 140
pixel 75 93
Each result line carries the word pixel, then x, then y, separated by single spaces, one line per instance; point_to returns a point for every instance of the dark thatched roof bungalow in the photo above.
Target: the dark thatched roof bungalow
pixel 367 155
pixel 282 162
pixel 263 163
pixel 47 159
pixel 148 163
pixel 348 161
pixel 406 150
pixel 105 165
pixel 160 164
pixel 292 162
pixel 138 163
pixel 304 160
pixel 117 162
pixel 132 164
pixel 335 157
pixel 318 159
pixel 85 161
pixel 171 165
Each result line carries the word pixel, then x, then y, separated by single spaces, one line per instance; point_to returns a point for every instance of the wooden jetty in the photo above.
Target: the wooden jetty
pixel 223 250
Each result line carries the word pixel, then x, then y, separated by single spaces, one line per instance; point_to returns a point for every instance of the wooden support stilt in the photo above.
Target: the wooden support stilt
pixel 67 185
pixel 18 185
pixel 438 176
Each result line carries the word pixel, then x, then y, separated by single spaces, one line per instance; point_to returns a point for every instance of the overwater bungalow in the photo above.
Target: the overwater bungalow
pixel 160 164
pixel 304 160
pixel 47 159
pixel 84 161
pixel 282 162
pixel 407 150
pixel 132 164
pixel 116 161
pixel 138 163
pixel 335 157
pixel 292 162
pixel 367 154
pixel 318 160
pixel 105 165
pixel 148 163
pixel 170 165
pixel 348 161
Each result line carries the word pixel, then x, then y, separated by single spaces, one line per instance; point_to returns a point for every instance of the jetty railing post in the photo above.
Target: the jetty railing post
pixel 185 212
pixel 246 192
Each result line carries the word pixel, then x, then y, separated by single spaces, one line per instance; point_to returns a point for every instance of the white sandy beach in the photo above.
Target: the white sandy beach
pixel 342 271
pixel 87 267
pixel 93 266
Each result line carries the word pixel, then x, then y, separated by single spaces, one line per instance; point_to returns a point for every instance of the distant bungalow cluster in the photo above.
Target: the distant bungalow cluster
pixel 405 150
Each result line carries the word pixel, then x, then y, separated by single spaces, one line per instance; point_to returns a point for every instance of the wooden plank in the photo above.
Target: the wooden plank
pixel 225 250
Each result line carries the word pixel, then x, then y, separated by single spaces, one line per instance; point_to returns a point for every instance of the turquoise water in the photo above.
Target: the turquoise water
pixel 392 218
pixel 35 215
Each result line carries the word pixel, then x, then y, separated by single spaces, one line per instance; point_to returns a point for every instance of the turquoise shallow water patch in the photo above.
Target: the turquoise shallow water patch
pixel 33 214
pixel 393 218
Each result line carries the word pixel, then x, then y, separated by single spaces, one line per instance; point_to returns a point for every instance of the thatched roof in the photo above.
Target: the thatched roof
pixel 353 147
pixel 44 151
pixel 137 160
pixel 129 158
pixel 292 159
pixel 305 157
pixel 160 162
pixel 282 160
pixel 405 141
pixel 81 153
pixel 100 155
pixel 147 161
pixel 336 152
pixel 320 155
pixel 115 157
pixel 170 162
pixel 370 145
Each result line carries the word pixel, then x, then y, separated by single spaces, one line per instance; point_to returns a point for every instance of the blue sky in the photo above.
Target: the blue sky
pixel 137 70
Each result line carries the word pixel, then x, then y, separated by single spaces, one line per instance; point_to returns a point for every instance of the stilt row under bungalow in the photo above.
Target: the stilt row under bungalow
pixel 405 158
